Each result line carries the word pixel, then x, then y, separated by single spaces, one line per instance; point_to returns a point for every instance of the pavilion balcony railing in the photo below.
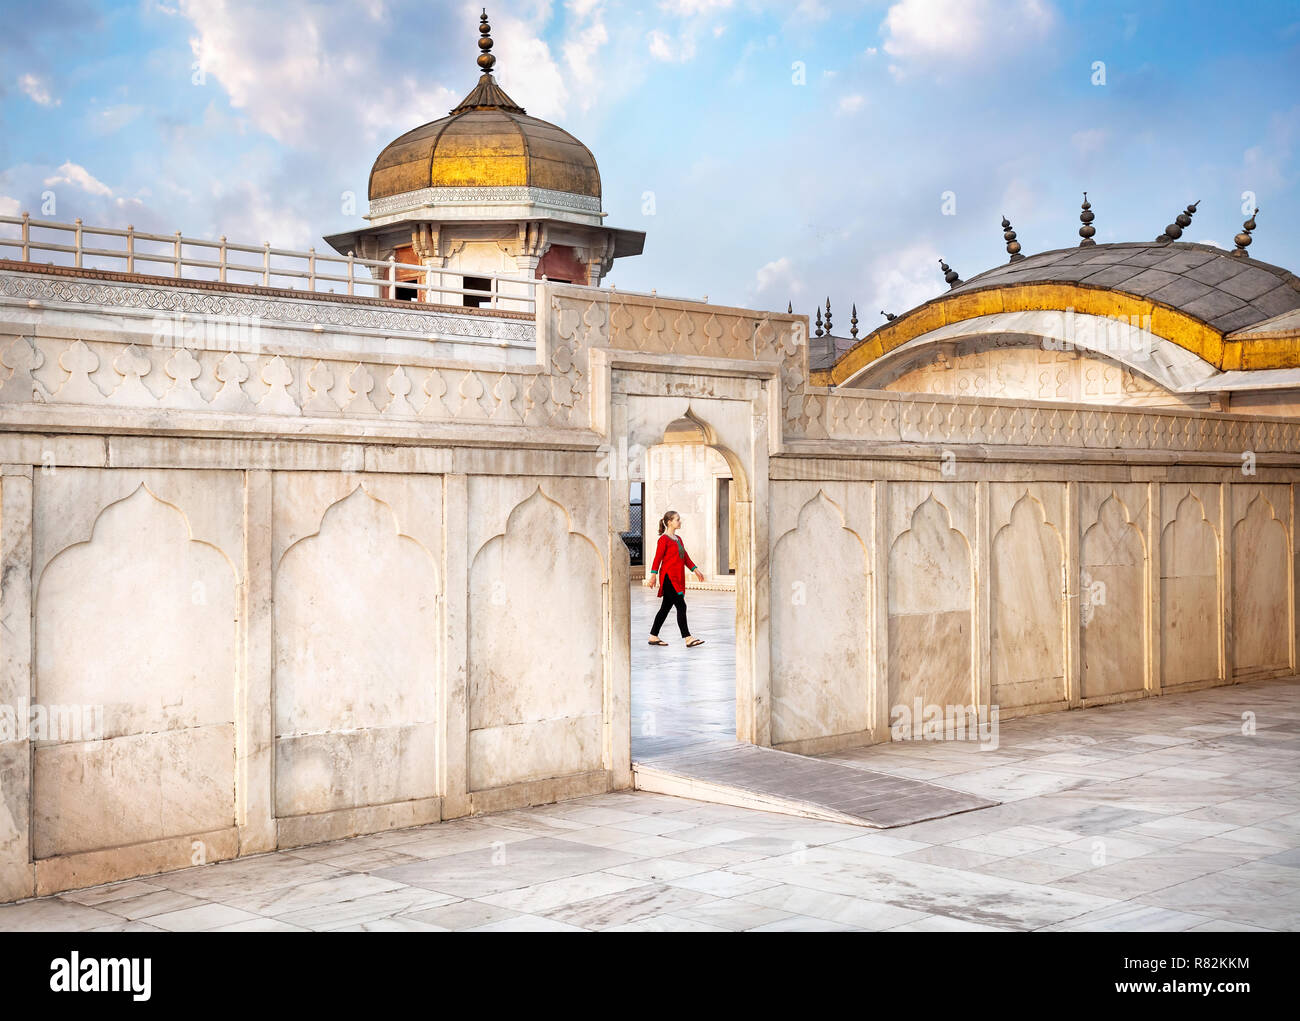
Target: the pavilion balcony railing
pixel 107 248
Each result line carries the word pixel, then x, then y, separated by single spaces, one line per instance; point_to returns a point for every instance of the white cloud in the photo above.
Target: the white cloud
pixel 901 281
pixel 1212 244
pixel 306 74
pixel 114 118
pixel 37 90
pixel 778 278
pixel 960 29
pixel 1089 141
pixel 585 38
pixel 852 104
pixel 660 48
pixel 79 177
pixel 8 206
pixel 693 8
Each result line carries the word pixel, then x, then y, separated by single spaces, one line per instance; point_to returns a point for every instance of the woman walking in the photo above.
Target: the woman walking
pixel 671 556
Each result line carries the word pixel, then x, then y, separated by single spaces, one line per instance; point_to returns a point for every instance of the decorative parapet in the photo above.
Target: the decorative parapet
pixel 105 374
pixel 877 417
pixel 110 290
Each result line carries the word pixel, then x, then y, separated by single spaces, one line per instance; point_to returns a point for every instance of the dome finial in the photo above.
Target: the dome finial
pixel 1244 239
pixel 1009 235
pixel 1086 217
pixel 1182 221
pixel 950 274
pixel 485 59
pixel 854 321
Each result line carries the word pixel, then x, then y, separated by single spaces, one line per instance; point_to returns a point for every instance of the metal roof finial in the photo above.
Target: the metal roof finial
pixel 889 316
pixel 1244 239
pixel 819 321
pixel 828 317
pixel 1013 246
pixel 853 331
pixel 1086 217
pixel 1175 230
pixel 485 59
pixel 950 274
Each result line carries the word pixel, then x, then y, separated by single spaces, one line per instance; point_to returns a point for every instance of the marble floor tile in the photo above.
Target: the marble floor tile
pixel 463 914
pixel 832 907
pixel 557 893
pixel 97 895
pixel 156 903
pixel 659 870
pixel 363 909
pixel 1200 833
pixel 721 883
pixel 952 857
pixel 526 923
pixel 969 896
pixel 943 923
pixel 494 870
pixel 201 918
pixel 665 923
pixel 285 900
pixel 631 905
pixel 882 843
pixel 52 914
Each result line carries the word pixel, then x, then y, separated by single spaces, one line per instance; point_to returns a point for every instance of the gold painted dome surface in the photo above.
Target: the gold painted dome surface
pixel 485 147
pixel 488 141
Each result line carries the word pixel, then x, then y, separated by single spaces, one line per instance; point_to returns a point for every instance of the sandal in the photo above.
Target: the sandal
pixel 657 641
pixel 694 642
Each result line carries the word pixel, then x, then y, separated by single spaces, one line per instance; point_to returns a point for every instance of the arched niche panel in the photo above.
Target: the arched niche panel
pixel 930 606
pixel 1026 590
pixel 536 665
pixel 1113 599
pixel 1190 622
pixel 357 648
pixel 1260 552
pixel 820 597
pixel 136 629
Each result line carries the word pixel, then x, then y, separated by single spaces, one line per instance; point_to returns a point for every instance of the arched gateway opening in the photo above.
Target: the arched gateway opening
pixel 684 697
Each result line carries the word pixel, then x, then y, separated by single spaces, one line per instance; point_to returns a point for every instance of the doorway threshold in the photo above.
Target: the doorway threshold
pixel 764 779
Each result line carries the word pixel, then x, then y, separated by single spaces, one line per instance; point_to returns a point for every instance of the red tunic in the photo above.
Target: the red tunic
pixel 674 560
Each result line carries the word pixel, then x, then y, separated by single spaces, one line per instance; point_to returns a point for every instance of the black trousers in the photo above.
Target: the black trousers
pixel 671 598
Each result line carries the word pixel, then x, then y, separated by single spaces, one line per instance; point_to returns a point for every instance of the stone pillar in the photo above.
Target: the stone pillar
pixel 618 637
pixel 17 877
pixel 255 706
pixel 454 764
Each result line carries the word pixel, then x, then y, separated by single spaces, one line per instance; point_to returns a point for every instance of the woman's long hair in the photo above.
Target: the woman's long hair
pixel 663 522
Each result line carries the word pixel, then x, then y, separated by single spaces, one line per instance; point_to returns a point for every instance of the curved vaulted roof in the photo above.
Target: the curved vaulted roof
pixel 1199 297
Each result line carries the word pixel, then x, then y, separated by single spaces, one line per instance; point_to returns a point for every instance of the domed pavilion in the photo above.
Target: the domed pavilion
pixel 488 190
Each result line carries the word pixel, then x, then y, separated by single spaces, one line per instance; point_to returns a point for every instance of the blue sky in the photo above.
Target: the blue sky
pixel 772 151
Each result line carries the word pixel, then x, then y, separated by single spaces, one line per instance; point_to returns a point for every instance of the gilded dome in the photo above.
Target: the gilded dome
pixel 485 146
pixel 488 141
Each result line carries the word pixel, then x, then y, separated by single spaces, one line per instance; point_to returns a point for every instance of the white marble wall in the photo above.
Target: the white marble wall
pixel 536 600
pixel 1029 596
pixel 821 600
pixel 357 640
pixel 304 620
pixel 135 578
